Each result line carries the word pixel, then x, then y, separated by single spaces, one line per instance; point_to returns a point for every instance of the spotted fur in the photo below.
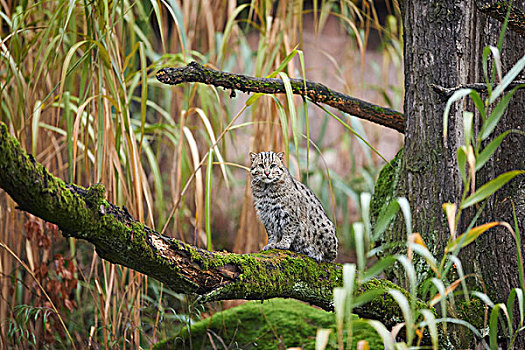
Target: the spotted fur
pixel 291 213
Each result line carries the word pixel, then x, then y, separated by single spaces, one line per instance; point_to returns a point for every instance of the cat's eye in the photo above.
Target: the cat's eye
pixel 273 165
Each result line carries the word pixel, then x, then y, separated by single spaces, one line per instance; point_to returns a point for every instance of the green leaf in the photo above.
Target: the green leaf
pixel 462 162
pixel 365 213
pixel 465 324
pixel 339 304
pixel 251 100
pixel 507 79
pixel 497 61
pixel 207 200
pixel 384 219
pixel 491 122
pixel 490 187
pixel 484 62
pixel 37 109
pixel 405 209
pixel 441 298
pixel 470 236
pixel 484 298
pixel 459 94
pixel 284 126
pixel 459 268
pixel 347 127
pixel 517 237
pixel 378 267
pixel 157 178
pixel 493 330
pixel 488 151
pixel 359 237
pixel 349 278
pixel 384 333
pixel 158 15
pixel 410 273
pixel 515 292
pixel 227 32
pixel 291 108
pixel 476 98
pixel 69 127
pixel 367 297
pixel 468 118
pixel 426 254
pixel 322 337
pixel 432 327
pixel 306 117
pixel 402 301
pixel 144 91
pixel 284 63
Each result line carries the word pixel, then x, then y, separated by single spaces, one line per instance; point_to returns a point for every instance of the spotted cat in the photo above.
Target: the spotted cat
pixel 291 213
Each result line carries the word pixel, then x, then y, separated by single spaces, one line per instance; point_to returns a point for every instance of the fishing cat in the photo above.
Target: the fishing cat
pixel 291 213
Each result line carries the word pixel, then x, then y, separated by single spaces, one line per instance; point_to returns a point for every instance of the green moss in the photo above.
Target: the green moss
pixel 95 194
pixel 288 274
pixel 472 311
pixel 385 304
pixel 385 188
pixel 378 109
pixel 274 324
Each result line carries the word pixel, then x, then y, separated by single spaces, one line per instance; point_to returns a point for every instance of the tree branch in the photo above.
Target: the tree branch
pixel 480 87
pixel 84 213
pixel 498 10
pixel 316 92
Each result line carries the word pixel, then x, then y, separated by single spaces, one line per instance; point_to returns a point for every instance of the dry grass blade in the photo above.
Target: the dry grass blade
pixel 183 191
pixel 199 184
pixel 448 290
pixel 214 142
pixel 450 210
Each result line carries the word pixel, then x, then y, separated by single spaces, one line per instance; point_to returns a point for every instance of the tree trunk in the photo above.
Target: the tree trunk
pixel 494 256
pixel 444 41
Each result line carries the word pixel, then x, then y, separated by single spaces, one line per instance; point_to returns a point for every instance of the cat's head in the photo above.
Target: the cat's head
pixel 268 167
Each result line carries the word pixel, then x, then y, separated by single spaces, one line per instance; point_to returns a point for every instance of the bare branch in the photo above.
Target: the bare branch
pixel 316 92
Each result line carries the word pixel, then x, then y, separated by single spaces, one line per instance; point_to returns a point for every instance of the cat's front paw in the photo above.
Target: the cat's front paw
pixel 283 245
pixel 269 246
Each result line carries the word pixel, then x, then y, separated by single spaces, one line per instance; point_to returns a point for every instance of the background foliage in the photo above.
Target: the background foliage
pixel 78 90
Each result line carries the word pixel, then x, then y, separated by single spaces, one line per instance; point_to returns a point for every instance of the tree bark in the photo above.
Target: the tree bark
pixel 435 38
pixel 85 214
pixel 444 41
pixel 494 256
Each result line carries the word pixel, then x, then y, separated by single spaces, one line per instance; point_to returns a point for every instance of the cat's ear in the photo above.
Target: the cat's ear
pixel 253 156
pixel 281 156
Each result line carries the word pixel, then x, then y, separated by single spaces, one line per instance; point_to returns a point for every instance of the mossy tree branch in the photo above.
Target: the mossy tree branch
pixel 316 92
pixel 85 214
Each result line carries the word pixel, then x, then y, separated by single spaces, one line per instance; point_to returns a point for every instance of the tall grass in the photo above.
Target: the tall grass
pixel 78 90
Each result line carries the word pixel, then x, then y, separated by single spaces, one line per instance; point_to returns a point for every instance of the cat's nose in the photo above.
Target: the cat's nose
pixel 266 172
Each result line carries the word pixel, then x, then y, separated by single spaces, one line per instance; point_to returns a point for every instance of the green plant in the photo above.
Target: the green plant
pixel 439 289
